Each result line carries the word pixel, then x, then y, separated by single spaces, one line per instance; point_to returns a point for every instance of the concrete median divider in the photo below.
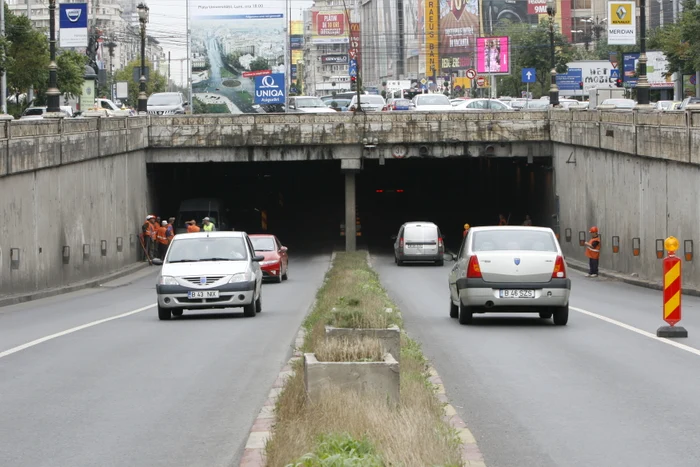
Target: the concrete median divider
pixel 390 337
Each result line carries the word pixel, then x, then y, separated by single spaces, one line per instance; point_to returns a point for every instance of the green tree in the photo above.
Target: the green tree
pixel 156 83
pixel 28 52
pixel 259 64
pixel 680 42
pixel 69 76
pixel 530 48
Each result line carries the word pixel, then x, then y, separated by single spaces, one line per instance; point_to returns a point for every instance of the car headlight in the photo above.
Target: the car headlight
pixel 241 277
pixel 167 280
pixel 268 263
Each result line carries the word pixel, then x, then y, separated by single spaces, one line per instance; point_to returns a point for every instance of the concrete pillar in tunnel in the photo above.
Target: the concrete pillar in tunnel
pixel 350 167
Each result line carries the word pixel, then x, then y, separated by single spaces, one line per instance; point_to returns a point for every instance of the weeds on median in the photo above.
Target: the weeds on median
pixel 350 350
pixel 412 434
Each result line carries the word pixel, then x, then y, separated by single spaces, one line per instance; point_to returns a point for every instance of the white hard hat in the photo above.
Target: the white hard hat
pixel 164 222
pixel 149 217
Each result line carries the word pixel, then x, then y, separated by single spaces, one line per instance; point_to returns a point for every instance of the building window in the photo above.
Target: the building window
pixel 580 4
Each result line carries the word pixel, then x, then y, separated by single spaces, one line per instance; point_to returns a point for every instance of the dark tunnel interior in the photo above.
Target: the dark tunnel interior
pixel 304 202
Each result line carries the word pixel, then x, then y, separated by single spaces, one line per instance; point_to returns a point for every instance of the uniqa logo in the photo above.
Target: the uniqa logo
pixel 268 82
pixel 73 14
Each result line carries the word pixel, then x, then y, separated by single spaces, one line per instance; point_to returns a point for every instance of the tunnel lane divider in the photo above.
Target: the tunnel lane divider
pixel 641 332
pixel 41 340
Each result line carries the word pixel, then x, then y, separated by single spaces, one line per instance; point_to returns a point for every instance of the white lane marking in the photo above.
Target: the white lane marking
pixel 641 332
pixel 70 331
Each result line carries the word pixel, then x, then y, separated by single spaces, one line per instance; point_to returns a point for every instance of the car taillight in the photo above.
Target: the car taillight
pixel 401 242
pixel 473 269
pixel 559 269
pixel 440 244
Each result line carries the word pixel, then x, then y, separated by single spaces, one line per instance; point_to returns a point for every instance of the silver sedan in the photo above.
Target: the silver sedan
pixel 510 269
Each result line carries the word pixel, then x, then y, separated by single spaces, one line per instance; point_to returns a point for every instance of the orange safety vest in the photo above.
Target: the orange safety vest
pixel 192 228
pixel 593 248
pixel 464 234
pixel 160 235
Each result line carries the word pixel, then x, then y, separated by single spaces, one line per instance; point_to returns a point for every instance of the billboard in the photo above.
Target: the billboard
pixel 335 59
pixel 355 49
pixel 231 41
pixel 432 40
pixel 657 70
pixel 297 28
pixel 269 89
pixel 73 24
pixel 622 27
pixel 459 28
pixel 493 55
pixel 329 27
pixel 495 13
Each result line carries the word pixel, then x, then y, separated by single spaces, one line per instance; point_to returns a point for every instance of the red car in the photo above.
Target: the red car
pixel 276 263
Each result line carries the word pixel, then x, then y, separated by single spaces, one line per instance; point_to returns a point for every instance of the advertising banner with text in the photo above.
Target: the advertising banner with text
pixel 532 12
pixel 231 39
pixel 432 40
pixel 329 27
pixel 493 55
pixel 459 28
pixel 355 45
pixel 622 27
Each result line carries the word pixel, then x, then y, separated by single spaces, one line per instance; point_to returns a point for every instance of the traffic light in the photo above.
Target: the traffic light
pixel 618 82
pixel 580 84
pixel 353 83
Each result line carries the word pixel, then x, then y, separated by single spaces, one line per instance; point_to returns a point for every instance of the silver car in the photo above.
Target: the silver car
pixel 419 241
pixel 208 270
pixel 510 269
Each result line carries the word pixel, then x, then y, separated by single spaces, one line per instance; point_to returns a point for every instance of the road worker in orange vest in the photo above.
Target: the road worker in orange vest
pixel 593 252
pixel 147 237
pixel 162 239
pixel 192 226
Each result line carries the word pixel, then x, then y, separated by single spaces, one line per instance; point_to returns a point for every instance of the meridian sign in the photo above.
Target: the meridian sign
pixel 622 27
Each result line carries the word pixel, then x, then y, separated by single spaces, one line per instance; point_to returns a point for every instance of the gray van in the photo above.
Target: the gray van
pixel 419 241
pixel 199 208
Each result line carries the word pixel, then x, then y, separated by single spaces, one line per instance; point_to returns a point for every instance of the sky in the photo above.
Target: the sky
pixel 168 20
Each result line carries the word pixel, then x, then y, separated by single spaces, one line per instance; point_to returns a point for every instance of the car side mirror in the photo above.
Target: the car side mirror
pixel 157 261
pixel 284 248
pixel 258 258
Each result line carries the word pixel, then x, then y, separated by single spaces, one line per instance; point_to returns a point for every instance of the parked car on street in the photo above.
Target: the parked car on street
pixel 510 269
pixel 369 103
pixel 482 104
pixel 419 241
pixel 209 270
pixel 309 104
pixel 167 103
pixel 275 266
pixel 431 103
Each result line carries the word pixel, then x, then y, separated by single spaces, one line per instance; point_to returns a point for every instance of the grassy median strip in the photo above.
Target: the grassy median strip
pixel 347 428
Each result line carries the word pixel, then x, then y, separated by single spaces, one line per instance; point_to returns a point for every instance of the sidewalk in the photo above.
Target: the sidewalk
pixel 29 296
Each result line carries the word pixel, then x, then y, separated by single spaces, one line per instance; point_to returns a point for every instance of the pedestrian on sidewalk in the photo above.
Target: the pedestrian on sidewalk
pixel 593 252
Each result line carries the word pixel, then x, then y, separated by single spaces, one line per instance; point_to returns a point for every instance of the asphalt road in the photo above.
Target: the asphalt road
pixel 135 391
pixel 592 393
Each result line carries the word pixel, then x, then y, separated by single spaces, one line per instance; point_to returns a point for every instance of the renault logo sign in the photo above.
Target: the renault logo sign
pixel 621 12
pixel 73 14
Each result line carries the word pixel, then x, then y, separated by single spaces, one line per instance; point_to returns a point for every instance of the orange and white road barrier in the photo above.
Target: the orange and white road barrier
pixel 672 292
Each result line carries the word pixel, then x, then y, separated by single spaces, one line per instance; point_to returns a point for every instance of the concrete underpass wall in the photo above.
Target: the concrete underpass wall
pixel 69 184
pixel 627 196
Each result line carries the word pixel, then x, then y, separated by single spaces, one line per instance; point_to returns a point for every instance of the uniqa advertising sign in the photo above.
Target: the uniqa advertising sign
pixel 622 27
pixel 269 89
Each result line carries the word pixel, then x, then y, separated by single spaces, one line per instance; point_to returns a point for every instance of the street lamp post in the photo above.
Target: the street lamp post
pixel 643 82
pixel 553 89
pixel 53 95
pixel 143 19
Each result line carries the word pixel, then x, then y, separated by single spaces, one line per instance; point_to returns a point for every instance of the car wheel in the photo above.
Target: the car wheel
pixel 177 312
pixel 396 259
pixel 561 315
pixel 285 276
pixel 278 279
pixel 545 314
pixel 399 262
pixel 454 310
pixel 250 309
pixel 440 262
pixel 465 314
pixel 163 313
pixel 258 304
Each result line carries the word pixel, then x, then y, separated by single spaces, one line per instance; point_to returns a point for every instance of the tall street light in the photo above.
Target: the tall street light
pixel 643 82
pixel 53 95
pixel 143 19
pixel 553 89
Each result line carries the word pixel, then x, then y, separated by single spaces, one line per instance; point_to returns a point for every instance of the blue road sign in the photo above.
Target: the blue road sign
pixel 352 67
pixel 614 73
pixel 73 24
pixel 529 75
pixel 570 80
pixel 269 89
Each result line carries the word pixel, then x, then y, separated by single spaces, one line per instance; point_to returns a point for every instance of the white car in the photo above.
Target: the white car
pixel 208 270
pixel 510 269
pixel 369 103
pixel 309 104
pixel 482 104
pixel 431 103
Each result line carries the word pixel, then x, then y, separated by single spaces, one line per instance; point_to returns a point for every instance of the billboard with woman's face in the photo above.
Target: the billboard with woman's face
pixel 493 55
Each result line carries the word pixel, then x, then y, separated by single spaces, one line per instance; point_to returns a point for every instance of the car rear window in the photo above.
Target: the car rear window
pixel 420 232
pixel 263 243
pixel 505 240
pixel 184 250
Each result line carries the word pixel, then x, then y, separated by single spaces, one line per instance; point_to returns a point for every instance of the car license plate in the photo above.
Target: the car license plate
pixel 203 294
pixel 517 293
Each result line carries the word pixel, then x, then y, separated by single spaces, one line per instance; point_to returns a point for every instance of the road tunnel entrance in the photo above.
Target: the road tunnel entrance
pixel 452 192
